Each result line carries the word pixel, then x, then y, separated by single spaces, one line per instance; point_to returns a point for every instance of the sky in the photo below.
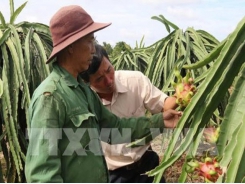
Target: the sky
pixel 131 19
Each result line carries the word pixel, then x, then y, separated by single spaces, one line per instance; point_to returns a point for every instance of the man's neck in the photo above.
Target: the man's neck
pixel 107 97
pixel 68 66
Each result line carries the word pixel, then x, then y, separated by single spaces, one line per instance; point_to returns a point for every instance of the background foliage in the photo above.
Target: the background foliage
pixel 215 67
pixel 24 50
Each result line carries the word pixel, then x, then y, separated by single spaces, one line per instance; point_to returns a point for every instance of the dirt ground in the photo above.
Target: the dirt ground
pixel 159 144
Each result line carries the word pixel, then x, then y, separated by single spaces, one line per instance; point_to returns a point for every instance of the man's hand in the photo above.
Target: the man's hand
pixel 171 118
pixel 170 103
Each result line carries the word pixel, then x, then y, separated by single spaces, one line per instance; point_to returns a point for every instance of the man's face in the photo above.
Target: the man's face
pixel 103 80
pixel 83 51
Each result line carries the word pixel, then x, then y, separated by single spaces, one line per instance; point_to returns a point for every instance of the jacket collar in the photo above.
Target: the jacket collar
pixel 65 75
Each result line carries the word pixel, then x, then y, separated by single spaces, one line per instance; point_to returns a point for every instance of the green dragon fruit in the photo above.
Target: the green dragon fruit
pixel 184 89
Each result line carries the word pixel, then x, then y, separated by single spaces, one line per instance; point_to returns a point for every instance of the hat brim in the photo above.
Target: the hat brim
pixel 90 29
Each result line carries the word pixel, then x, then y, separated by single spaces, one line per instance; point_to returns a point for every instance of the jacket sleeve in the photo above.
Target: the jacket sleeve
pixel 43 163
pixel 115 130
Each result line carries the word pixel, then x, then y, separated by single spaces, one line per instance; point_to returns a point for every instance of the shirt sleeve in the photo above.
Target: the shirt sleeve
pixel 153 97
pixel 129 129
pixel 43 163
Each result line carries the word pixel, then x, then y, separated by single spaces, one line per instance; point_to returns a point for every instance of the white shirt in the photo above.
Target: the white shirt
pixel 133 96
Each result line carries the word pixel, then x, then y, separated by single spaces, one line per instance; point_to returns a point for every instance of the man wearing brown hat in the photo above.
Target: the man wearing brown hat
pixel 67 120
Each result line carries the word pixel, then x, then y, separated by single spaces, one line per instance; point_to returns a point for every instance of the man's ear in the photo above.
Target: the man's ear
pixel 70 49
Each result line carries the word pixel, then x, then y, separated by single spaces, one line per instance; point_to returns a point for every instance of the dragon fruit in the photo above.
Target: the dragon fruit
pixel 211 134
pixel 209 169
pixel 184 89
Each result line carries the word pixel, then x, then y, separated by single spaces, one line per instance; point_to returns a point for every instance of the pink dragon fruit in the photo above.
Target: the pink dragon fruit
pixel 209 169
pixel 184 89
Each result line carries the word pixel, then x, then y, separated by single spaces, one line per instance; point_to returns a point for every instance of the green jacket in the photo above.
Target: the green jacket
pixel 66 124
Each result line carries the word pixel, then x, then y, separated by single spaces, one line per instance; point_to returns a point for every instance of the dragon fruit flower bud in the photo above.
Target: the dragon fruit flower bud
pixel 184 89
pixel 211 134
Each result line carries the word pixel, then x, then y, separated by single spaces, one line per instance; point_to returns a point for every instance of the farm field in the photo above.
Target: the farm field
pixel 159 145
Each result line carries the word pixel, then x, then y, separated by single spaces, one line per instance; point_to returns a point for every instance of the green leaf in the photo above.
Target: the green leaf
pixel 11 6
pixel 236 153
pixel 17 55
pixel 192 151
pixel 2 19
pixel 209 58
pixel 28 53
pixel 4 36
pixel 233 113
pixel 240 176
pixel 162 21
pixel 210 38
pixel 169 23
pixel 9 123
pixel 39 28
pixel 16 13
pixel 1 88
pixel 209 94
pixel 42 53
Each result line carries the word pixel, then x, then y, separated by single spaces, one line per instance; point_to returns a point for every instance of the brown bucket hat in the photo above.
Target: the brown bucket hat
pixel 68 25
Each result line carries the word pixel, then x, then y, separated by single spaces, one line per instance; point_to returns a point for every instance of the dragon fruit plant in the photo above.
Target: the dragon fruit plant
pixel 1 87
pixel 184 89
pixel 209 169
